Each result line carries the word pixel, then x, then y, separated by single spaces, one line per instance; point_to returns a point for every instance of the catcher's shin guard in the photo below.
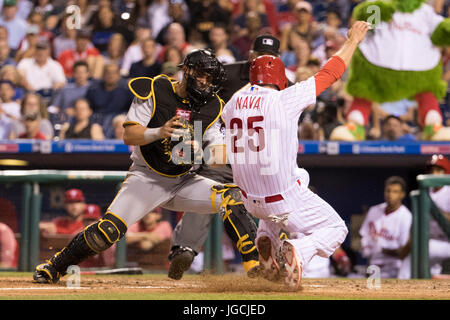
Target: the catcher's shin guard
pixel 94 239
pixel 238 223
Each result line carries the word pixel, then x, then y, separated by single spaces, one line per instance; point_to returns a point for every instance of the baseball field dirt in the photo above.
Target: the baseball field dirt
pixel 20 286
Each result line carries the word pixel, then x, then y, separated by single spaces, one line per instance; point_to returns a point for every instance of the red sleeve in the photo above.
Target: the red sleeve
pixel 329 73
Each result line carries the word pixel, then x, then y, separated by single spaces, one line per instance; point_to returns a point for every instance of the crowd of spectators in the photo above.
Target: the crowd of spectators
pixel 64 69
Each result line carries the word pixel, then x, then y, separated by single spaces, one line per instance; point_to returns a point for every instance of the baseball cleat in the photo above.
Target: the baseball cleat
pixel 269 267
pixel 181 259
pixel 46 273
pixel 293 266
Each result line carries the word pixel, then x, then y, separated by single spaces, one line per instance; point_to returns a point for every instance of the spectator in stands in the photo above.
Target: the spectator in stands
pixel 82 126
pixel 148 66
pixel 66 40
pixel 64 100
pixel 334 20
pixel 87 11
pixel 6 126
pixel 149 231
pixel 8 247
pixel 15 25
pixel 32 104
pixel 446 77
pixel 244 42
pixel 108 99
pixel 37 19
pixel 28 45
pixel 286 13
pixel 177 38
pixel 331 40
pixel 178 12
pixel 42 73
pixel 32 123
pixel 305 27
pixel 330 117
pixel 240 23
pixel 118 122
pixel 10 107
pixel 83 51
pixel 107 25
pixel 218 42
pixel 394 129
pixel 4 33
pixel 115 50
pixel 204 14
pixel 10 73
pixel 75 206
pixel 158 15
pixel 173 55
pixel 43 7
pixel 387 226
pixel 299 56
pixel 134 51
pixel 138 14
pixel 5 59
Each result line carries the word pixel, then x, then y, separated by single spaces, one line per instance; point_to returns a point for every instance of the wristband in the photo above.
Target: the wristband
pixel 151 135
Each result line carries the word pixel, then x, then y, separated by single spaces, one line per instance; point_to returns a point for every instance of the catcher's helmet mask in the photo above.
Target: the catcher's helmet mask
pixel 201 63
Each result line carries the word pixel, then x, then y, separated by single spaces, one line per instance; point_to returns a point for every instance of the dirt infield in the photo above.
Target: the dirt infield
pixel 150 286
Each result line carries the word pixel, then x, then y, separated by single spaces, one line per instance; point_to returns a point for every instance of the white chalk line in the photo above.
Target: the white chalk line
pixel 83 288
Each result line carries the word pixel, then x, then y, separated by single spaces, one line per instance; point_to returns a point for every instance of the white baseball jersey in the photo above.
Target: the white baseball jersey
pixel 261 136
pixel 380 230
pixel 441 198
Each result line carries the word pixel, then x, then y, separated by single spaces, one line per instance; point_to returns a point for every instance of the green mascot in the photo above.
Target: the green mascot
pixel 399 59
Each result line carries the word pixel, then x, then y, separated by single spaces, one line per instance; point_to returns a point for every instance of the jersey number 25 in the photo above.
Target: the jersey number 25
pixel 237 123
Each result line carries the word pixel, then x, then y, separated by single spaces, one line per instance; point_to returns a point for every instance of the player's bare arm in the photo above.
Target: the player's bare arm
pixel 138 135
pixel 355 35
pixel 336 65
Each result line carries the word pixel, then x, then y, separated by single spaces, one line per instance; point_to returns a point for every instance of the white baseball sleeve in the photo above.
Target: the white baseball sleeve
pixel 299 96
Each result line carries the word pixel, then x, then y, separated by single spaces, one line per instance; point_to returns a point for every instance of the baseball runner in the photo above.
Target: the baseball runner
pixel 161 174
pixel 185 243
pixel 386 228
pixel 439 244
pixel 261 137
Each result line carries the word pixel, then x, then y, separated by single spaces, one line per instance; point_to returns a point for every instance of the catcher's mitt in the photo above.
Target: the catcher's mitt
pixel 181 148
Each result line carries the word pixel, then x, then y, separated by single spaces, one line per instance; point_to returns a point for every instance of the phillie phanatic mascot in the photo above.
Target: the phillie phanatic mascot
pixel 399 59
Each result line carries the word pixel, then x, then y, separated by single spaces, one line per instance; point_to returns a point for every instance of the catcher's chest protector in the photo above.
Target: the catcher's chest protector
pixel 166 105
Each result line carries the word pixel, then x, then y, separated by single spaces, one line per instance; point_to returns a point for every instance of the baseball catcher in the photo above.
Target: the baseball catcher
pixel 162 173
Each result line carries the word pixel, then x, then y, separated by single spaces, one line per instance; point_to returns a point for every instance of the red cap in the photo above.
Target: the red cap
pixel 441 161
pixel 92 212
pixel 74 195
pixel 268 70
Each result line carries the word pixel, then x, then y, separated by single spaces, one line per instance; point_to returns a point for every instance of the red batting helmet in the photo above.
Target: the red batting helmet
pixel 268 70
pixel 440 161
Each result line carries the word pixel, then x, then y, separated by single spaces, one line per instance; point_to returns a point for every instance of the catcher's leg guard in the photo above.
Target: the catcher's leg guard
pixel 238 223
pixel 94 239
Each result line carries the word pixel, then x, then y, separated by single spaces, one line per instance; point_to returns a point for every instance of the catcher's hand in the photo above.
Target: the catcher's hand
pixel 170 127
pixel 184 149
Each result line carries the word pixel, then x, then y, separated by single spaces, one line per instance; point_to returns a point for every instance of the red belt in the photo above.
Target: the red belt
pixel 270 199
